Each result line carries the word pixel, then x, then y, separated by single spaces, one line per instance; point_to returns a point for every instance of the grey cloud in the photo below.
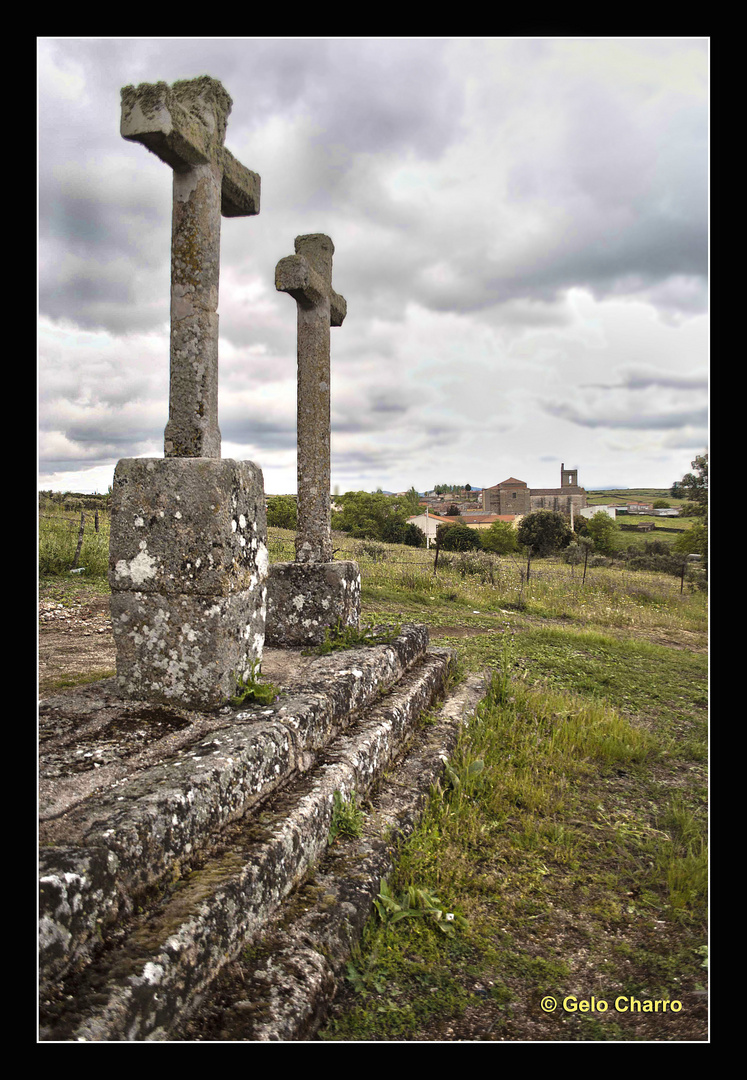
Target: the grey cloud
pixel 603 418
pixel 640 380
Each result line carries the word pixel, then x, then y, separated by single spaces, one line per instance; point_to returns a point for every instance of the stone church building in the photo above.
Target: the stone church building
pixel 514 497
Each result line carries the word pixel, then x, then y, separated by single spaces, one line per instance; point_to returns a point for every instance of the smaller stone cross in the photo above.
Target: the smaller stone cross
pixel 307 277
pixel 185 126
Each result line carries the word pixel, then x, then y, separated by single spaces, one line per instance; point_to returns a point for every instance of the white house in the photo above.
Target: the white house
pixel 428 523
pixel 590 511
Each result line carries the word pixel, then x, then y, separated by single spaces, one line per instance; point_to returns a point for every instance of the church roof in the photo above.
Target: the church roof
pixel 511 480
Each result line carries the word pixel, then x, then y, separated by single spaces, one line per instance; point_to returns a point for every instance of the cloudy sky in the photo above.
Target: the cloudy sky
pixel 520 230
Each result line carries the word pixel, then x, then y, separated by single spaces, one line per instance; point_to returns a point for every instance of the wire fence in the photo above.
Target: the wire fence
pixel 509 573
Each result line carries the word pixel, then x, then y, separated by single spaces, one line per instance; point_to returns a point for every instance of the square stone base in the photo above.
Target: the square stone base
pixel 187 569
pixel 187 525
pixel 185 650
pixel 305 599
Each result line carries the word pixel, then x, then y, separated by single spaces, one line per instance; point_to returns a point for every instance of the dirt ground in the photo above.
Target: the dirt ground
pixel 75 641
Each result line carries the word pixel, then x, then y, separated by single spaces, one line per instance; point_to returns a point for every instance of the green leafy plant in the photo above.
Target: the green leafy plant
pixel 415 903
pixel 347 818
pixel 361 971
pixel 353 637
pixel 458 779
pixel 250 691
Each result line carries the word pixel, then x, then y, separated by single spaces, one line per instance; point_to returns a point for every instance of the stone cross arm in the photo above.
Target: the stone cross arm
pixel 307 278
pixel 185 125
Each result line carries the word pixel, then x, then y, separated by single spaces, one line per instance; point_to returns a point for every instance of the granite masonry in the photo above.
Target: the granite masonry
pixel 314 593
pixel 188 550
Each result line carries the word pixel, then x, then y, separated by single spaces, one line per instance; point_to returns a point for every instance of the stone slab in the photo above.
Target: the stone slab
pixel 187 568
pixel 187 651
pixel 304 600
pixel 168 962
pixel 283 991
pixel 113 827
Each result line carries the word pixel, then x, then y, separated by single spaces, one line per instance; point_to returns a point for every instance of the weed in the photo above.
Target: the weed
pixel 347 818
pixel 250 691
pixel 416 903
pixel 352 637
pixel 417 582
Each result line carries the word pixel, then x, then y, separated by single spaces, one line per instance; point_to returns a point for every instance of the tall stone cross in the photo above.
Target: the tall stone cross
pixel 185 126
pixel 307 277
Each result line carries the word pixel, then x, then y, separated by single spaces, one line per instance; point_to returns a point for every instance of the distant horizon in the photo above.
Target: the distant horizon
pixel 473 487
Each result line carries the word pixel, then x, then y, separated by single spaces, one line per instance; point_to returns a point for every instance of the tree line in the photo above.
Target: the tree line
pixel 375 516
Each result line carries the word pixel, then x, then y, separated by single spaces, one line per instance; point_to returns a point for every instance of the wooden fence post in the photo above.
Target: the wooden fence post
pixel 80 539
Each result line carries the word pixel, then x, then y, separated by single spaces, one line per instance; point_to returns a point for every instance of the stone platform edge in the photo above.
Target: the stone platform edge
pixel 174 950
pixel 114 845
pixel 281 990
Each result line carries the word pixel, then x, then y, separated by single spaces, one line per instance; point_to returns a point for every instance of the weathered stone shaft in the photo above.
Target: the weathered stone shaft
pixel 192 430
pixel 313 419
pixel 307 277
pixel 185 126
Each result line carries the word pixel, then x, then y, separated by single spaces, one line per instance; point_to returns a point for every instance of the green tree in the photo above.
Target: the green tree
pixel 693 541
pixel 544 531
pixel 282 511
pixel 694 486
pixel 413 537
pixel 411 502
pixel 364 514
pixel 603 530
pixel 397 531
pixel 457 538
pixel 500 538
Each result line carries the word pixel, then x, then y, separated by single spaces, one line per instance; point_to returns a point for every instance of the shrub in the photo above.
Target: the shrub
pixel 458 538
pixel 476 564
pixel 602 529
pixel 500 538
pixel 544 531
pixel 396 531
pixel 375 551
pixel 282 512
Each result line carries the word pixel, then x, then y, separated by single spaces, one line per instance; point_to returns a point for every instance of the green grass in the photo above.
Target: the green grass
pixel 58 539
pixel 568 835
pixel 549 861
pixel 569 831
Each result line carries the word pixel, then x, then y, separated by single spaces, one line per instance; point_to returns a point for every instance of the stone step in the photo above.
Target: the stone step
pixel 169 781
pixel 280 989
pixel 150 973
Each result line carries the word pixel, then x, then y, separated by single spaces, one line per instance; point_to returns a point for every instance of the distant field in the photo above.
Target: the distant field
pixel 627 495
pixel 665 529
